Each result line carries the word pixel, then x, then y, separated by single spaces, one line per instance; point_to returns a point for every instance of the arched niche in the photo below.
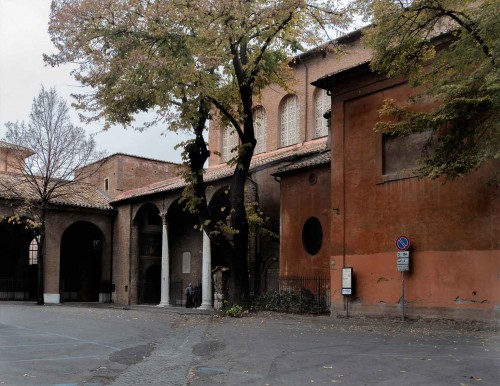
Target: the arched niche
pixel 18 273
pixel 149 226
pixel 81 263
pixel 186 250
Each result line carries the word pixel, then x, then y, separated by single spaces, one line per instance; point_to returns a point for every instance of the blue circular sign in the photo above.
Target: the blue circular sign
pixel 403 243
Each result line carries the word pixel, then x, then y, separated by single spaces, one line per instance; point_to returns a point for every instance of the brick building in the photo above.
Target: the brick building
pixel 376 197
pixel 338 198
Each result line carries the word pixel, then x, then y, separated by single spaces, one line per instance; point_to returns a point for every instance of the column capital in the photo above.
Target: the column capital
pixel 163 216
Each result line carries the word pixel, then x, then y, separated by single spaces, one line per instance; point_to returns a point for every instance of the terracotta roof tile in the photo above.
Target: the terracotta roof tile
pixel 15 186
pixel 318 159
pixel 218 172
pixel 10 146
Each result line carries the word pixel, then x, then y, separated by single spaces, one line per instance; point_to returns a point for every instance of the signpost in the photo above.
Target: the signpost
pixel 347 286
pixel 403 264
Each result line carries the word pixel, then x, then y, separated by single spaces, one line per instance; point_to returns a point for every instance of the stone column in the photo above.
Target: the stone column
pixel 165 265
pixel 206 301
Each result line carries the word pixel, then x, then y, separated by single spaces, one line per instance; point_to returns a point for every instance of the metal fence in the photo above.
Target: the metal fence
pixel 11 289
pixel 296 294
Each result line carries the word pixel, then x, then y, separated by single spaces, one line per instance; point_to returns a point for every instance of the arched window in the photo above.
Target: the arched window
pixel 230 140
pixel 321 106
pixel 289 120
pixel 259 120
pixel 33 252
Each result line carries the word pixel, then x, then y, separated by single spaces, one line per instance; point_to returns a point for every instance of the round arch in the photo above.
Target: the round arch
pixel 186 250
pixel 148 222
pixel 81 262
pixel 220 206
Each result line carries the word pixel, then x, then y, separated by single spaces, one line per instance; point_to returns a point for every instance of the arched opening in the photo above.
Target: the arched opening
pixel 289 121
pixel 18 278
pixel 220 208
pixel 81 262
pixel 186 251
pixel 148 220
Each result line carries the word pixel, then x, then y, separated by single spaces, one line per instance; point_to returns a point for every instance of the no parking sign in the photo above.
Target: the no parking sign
pixel 403 243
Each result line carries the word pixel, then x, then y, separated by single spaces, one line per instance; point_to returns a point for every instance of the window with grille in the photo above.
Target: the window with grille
pixel 321 106
pixel 33 252
pixel 289 120
pixel 230 140
pixel 259 119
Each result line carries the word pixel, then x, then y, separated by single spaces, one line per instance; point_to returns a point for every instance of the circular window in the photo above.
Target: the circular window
pixel 313 178
pixel 312 235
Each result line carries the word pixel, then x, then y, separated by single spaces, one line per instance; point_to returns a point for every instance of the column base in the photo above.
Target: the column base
pixel 51 298
pixel 206 306
pixel 164 305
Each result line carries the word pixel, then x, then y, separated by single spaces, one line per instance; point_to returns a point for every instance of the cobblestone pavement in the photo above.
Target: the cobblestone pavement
pixel 99 345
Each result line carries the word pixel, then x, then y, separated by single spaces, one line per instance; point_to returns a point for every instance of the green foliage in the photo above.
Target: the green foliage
pixel 448 48
pixel 302 301
pixel 257 221
pixel 189 61
pixel 235 311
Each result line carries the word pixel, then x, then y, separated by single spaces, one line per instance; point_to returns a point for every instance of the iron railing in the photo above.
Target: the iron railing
pixel 296 294
pixel 12 289
pixel 150 293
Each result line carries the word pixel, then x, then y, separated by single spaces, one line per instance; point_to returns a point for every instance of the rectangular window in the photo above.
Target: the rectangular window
pixel 402 153
pixel 106 184
pixel 186 262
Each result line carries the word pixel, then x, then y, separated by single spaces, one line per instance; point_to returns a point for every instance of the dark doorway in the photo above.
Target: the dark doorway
pixel 81 255
pixel 152 284
pixel 148 220
pixel 18 275
pixel 220 206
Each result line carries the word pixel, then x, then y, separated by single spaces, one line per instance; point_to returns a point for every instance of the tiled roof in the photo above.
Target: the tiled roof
pixel 7 145
pixel 339 72
pixel 317 159
pixel 15 186
pixel 102 160
pixel 218 172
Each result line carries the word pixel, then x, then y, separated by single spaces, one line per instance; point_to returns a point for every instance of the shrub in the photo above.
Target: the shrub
pixel 235 311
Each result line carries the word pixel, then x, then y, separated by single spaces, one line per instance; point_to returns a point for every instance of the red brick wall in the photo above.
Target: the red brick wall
pixel 304 72
pixel 128 172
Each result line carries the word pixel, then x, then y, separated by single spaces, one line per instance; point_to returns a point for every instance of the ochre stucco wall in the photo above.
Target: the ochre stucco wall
pixel 453 226
pixel 300 200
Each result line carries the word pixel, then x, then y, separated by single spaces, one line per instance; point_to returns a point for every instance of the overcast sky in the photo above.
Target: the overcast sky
pixel 23 40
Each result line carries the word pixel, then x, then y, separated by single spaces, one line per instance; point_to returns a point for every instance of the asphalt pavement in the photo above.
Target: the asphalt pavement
pixel 91 344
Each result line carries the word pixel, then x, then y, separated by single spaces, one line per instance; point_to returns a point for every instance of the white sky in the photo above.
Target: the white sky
pixel 23 40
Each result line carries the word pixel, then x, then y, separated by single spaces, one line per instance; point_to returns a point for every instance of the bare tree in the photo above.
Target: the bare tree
pixel 46 165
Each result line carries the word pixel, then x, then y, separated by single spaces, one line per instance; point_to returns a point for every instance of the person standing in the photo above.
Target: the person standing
pixel 189 296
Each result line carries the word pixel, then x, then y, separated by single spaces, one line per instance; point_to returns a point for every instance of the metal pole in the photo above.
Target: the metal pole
pixel 403 284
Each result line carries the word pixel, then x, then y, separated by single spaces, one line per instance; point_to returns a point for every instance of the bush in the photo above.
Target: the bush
pixel 302 301
pixel 235 311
